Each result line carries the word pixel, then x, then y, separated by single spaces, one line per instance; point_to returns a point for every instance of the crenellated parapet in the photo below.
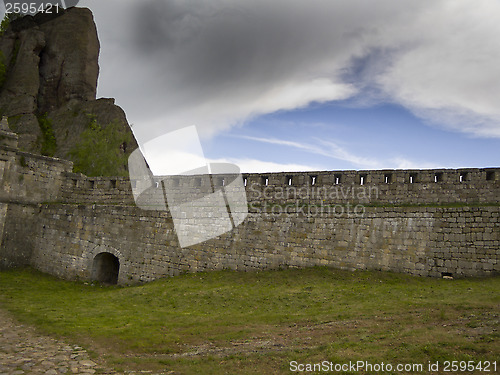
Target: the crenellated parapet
pixel 435 222
pixel 368 187
pixel 80 189
pixel 396 187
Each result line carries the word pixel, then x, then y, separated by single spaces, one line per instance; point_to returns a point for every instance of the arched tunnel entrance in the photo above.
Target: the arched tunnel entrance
pixel 106 268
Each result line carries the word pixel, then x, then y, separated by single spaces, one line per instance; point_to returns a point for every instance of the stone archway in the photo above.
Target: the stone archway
pixel 105 268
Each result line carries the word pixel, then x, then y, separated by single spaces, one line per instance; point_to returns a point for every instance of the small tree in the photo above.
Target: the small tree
pixel 7 19
pixel 100 150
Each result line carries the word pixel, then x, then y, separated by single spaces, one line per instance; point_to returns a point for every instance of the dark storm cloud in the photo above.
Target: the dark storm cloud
pixel 216 63
pixel 223 46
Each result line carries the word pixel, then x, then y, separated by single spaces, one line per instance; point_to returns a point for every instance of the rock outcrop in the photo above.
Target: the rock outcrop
pixel 52 68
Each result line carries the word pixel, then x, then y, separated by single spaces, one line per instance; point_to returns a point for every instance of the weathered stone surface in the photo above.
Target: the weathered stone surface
pixel 68 64
pixel 26 125
pixel 4 124
pixel 20 90
pixel 70 120
pixel 59 222
pixel 53 69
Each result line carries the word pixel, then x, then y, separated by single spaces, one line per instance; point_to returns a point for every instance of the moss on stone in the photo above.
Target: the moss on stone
pixel 99 152
pixel 48 142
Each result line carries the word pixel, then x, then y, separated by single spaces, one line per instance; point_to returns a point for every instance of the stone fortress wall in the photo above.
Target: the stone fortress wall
pixel 422 222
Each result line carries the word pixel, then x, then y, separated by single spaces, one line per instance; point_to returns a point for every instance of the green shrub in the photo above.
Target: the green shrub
pixel 99 151
pixel 4 24
pixel 7 19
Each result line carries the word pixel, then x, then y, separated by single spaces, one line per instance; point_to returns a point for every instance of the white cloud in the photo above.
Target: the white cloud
pixel 335 151
pixel 248 165
pixel 403 163
pixel 292 95
pixel 332 150
pixel 450 75
pixel 324 148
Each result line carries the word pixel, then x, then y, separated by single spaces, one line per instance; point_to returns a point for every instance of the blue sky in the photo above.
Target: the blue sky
pixel 290 85
pixel 337 135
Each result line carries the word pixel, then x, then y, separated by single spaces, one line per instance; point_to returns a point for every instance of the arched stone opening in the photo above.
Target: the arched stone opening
pixel 106 268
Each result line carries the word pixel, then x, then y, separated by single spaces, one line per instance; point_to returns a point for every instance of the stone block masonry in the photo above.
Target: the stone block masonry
pixel 422 222
pixel 425 241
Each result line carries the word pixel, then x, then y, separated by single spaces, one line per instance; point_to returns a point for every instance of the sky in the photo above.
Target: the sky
pixel 293 85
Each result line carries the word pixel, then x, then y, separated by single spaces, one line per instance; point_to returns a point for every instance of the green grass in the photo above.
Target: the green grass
pixel 251 323
pixel 269 207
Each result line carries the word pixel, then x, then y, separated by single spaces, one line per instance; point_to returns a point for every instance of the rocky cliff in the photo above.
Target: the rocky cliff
pixel 51 64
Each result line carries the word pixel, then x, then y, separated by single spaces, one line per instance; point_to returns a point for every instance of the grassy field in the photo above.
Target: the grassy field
pixel 257 323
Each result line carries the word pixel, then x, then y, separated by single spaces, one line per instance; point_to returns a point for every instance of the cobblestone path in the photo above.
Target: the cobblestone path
pixel 23 351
